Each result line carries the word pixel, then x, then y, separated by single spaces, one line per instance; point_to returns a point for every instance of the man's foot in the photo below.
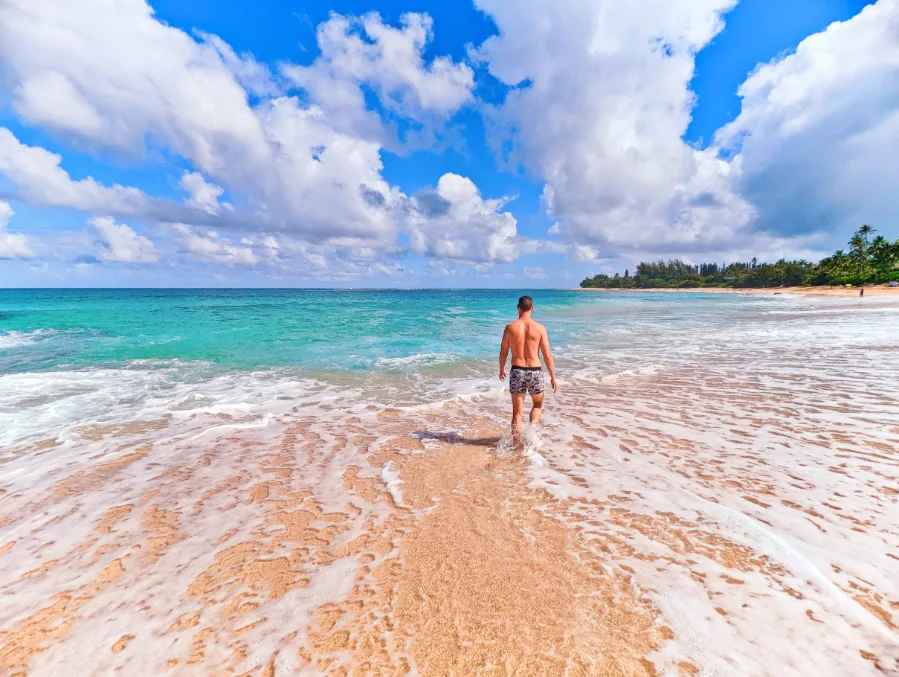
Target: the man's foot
pixel 516 438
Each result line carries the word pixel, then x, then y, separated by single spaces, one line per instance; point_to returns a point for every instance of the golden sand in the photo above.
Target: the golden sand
pixel 484 583
pixel 472 569
pixel 470 576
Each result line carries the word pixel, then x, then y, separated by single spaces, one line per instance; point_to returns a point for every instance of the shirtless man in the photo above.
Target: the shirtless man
pixel 526 338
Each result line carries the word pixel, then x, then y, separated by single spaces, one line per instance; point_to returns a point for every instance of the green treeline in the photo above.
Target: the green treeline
pixel 868 261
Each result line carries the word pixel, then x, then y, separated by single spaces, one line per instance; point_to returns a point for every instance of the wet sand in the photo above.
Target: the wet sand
pixel 739 516
pixel 467 573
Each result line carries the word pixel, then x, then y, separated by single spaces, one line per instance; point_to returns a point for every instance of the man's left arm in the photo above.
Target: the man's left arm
pixel 548 358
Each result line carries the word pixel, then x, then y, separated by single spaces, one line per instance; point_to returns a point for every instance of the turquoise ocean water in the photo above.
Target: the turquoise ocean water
pixel 256 329
pixel 73 356
pixel 316 330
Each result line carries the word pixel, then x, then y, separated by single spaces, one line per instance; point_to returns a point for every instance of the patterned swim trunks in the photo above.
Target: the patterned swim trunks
pixel 526 380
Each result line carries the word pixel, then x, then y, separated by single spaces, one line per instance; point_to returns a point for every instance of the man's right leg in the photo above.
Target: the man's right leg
pixel 537 409
pixel 517 412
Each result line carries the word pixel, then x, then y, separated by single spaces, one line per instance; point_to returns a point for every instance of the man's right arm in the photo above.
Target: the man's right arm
pixel 504 354
pixel 548 358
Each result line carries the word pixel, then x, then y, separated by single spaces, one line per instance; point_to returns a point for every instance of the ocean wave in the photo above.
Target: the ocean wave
pixel 174 362
pixel 842 310
pixel 416 360
pixel 456 391
pixel 17 339
pixel 41 405
pixel 591 375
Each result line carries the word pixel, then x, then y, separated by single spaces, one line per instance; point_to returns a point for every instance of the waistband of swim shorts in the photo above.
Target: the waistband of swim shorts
pixel 515 366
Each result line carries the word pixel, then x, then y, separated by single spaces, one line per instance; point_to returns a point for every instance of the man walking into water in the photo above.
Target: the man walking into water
pixel 526 339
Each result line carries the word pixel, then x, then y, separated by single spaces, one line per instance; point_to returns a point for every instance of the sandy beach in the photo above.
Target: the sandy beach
pixel 728 515
pixel 873 290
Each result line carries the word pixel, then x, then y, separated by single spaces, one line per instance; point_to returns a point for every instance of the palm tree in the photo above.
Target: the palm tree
pixel 858 246
pixel 858 253
pixel 839 263
pixel 865 231
pixel 881 255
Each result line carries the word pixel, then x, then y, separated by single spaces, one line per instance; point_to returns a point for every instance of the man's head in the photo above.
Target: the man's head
pixel 525 305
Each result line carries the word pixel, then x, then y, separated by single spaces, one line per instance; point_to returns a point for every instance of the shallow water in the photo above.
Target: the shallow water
pixel 218 481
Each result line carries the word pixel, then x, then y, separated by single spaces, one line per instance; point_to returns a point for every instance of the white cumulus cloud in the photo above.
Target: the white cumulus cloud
pixel 120 243
pixel 600 103
pixel 817 134
pixel 202 194
pixel 12 245
pixel 42 181
pixel 301 171
pixel 366 51
pixel 455 222
pixel 209 246
pixel 535 273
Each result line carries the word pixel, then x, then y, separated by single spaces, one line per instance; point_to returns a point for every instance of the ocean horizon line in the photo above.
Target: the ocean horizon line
pixel 289 288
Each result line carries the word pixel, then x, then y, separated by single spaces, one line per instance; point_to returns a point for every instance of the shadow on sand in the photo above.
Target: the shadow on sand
pixel 456 438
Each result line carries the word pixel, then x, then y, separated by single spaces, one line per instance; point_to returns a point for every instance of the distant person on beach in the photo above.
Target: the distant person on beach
pixel 526 339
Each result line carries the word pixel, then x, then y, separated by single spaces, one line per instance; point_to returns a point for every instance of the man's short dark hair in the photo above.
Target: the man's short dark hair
pixel 525 303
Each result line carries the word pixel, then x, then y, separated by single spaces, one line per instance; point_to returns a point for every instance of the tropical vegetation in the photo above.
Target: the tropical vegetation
pixel 869 260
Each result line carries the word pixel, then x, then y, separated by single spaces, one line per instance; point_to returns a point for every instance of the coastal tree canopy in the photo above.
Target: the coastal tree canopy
pixel 870 260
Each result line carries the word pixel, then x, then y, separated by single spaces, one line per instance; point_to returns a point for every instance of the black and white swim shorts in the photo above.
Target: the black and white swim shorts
pixel 526 380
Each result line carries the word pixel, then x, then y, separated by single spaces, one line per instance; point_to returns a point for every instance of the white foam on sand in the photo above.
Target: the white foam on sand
pixel 531 442
pixel 393 482
pixel 213 445
pixel 455 392
pixel 765 527
pixel 528 444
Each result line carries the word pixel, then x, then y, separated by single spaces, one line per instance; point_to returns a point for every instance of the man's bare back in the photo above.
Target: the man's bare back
pixel 525 336
pixel 526 339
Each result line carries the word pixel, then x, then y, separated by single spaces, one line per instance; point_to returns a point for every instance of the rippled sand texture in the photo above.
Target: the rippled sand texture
pixel 735 516
pixel 261 557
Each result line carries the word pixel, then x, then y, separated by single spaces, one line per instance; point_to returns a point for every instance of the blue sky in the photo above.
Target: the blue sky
pixel 419 144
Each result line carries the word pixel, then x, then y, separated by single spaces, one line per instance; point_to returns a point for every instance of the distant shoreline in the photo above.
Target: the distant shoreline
pixel 870 290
